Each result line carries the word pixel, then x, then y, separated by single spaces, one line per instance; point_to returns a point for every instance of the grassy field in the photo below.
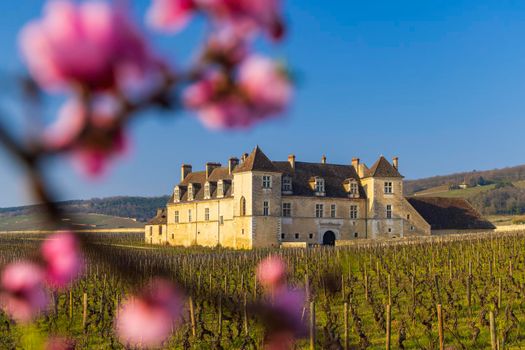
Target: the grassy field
pixel 470 276
pixel 78 221
pixel 443 191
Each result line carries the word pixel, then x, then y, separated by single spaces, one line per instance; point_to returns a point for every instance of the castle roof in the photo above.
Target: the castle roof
pixel 256 161
pixel 334 176
pixel 449 213
pixel 159 219
pixel 383 168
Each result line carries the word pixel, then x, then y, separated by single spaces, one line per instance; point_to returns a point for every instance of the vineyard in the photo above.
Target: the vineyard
pixel 446 292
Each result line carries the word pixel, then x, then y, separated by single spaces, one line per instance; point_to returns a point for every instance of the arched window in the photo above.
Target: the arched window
pixel 176 194
pixel 207 190
pixel 190 192
pixel 243 206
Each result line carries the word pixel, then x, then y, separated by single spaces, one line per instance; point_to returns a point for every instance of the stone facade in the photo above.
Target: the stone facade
pixel 257 202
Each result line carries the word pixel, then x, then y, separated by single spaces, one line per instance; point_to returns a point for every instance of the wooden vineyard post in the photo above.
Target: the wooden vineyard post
pixel 219 323
pixel 312 325
pixel 388 326
pixel 192 317
pixel 70 304
pixel 469 295
pixel 499 293
pixel 345 310
pixel 440 327
pixel 389 290
pixel 84 311
pixel 493 343
pixel 343 286
pixel 366 286
pixel 245 315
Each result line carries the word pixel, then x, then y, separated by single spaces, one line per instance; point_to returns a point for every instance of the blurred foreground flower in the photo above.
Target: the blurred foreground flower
pixel 246 16
pixel 271 272
pixel 59 343
pixel 90 44
pixel 262 90
pixel 23 296
pixel 63 259
pixel 147 320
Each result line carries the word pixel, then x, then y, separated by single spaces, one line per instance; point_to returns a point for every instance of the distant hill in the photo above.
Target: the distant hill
pixel 492 192
pixel 140 208
pixel 471 178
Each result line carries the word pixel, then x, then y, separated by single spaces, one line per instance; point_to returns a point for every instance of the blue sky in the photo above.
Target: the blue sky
pixel 441 84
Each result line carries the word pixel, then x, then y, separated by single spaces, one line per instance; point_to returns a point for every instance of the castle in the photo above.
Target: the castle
pixel 256 202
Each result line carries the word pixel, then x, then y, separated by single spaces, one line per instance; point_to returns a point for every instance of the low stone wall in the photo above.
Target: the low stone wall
pixel 294 245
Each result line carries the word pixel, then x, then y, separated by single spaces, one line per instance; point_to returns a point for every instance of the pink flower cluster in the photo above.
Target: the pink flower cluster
pixel 244 15
pixel 147 320
pixel 23 284
pixel 261 89
pixel 90 45
pixel 287 303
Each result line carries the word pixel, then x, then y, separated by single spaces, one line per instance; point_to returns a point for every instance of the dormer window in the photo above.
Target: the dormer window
pixel 319 186
pixel 353 188
pixel 176 194
pixel 287 184
pixel 220 189
pixel 190 192
pixel 207 194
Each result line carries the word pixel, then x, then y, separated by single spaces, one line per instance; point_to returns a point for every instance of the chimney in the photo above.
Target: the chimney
pixel 209 168
pixel 291 160
pixel 243 157
pixel 323 159
pixel 232 163
pixel 185 170
pixel 395 162
pixel 355 163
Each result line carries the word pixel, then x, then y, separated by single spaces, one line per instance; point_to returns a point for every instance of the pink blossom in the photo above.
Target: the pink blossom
pixel 246 16
pixel 265 84
pixel 63 259
pixel 170 15
pixel 261 91
pixel 271 272
pixel 59 343
pixel 85 44
pixel 23 295
pixel 148 319
pixel 93 153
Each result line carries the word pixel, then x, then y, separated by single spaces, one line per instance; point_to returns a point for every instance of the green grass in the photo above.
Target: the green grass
pixel 460 193
pixel 79 221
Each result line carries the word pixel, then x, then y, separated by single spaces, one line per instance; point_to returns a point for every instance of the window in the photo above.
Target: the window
pixel 353 212
pixel 267 181
pixel 176 217
pixel 356 234
pixel 287 210
pixel 319 185
pixel 189 215
pixel 160 230
pixel 221 220
pixel 333 211
pixel 242 232
pixel 190 192
pixel 172 236
pixel 207 190
pixel 287 184
pixel 151 230
pixel 220 188
pixel 411 228
pixel 318 210
pixel 389 230
pixel 353 188
pixel 408 216
pixel 296 236
pixel 206 214
pixel 388 187
pixel 266 208
pixel 389 211
pixel 282 235
pixel 311 235
pixel 176 194
pixel 242 206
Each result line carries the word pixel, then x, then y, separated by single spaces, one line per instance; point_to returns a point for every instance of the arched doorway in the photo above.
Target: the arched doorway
pixel 329 238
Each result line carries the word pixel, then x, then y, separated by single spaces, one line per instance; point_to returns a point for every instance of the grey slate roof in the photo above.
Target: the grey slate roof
pixel 159 219
pixel 383 168
pixel 449 213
